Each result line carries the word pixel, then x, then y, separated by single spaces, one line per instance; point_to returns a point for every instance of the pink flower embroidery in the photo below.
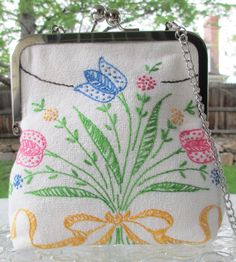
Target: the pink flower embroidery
pixel 146 83
pixel 196 145
pixel 31 150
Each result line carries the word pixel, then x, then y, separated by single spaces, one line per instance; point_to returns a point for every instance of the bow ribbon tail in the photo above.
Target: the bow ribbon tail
pixel 204 225
pixel 74 241
pixel 104 239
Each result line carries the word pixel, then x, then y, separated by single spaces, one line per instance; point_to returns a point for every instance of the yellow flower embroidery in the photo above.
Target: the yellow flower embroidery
pixel 50 114
pixel 177 117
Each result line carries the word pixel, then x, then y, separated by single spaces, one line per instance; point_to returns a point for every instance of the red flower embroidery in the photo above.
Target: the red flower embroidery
pixel 196 145
pixel 31 149
pixel 146 83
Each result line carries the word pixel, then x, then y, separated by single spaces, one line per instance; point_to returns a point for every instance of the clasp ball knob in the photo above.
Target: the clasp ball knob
pixel 112 16
pixel 98 13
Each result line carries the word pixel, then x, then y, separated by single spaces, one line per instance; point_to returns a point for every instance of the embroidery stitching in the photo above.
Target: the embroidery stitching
pixel 195 143
pixel 103 85
pixel 31 150
pixel 112 222
pixel 215 176
pixel 17 181
pixel 118 197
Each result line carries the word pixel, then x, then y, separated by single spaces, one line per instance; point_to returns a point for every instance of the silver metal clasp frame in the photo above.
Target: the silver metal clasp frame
pixel 112 17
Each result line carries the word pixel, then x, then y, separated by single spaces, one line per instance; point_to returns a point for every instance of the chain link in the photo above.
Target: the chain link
pixel 182 36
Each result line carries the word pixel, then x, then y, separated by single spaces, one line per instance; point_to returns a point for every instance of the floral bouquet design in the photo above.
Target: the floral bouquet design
pixel 115 172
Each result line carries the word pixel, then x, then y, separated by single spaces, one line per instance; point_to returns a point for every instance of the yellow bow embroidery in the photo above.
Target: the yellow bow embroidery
pixel 119 220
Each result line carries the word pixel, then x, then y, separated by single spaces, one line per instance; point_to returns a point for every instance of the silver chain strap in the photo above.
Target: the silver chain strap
pixel 182 36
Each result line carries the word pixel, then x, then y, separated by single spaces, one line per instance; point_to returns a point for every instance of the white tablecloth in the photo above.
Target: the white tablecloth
pixel 223 249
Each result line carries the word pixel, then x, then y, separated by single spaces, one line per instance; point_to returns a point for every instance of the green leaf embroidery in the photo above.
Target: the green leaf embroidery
pixel 79 181
pixel 35 104
pixel 49 153
pixel 168 139
pixel 144 114
pixel 190 108
pixel 139 97
pixel 172 187
pixel 94 156
pixel 71 139
pixel 138 110
pixel 203 167
pixel 29 177
pixel 182 173
pixel 108 106
pixel 38 107
pixel 76 135
pixel 88 162
pixel 53 177
pixel 153 68
pixel 58 126
pixel 148 137
pixel 108 127
pixel 164 134
pixel 102 144
pixel 146 98
pixel 102 108
pixel 114 119
pixel 62 191
pixel 183 163
pixel 203 176
pixel 43 103
pixel 170 125
pixel 75 174
pixel 147 68
pixel 49 168
pixel 63 121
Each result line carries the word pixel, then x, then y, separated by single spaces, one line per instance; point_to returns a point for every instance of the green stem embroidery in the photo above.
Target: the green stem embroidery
pixel 100 195
pixel 169 171
pixel 166 187
pixel 87 154
pixel 164 137
pixel 154 68
pixel 178 151
pixel 113 122
pixel 147 142
pixel 119 235
pixel 124 203
pixel 158 149
pixel 52 154
pixel 111 185
pixel 38 107
pixel 144 99
pixel 190 108
pixel 122 99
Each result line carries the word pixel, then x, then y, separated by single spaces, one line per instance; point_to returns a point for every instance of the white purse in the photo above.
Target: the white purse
pixel 115 146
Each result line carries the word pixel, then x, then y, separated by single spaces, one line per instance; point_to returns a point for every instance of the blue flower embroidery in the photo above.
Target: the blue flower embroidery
pixel 102 85
pixel 215 176
pixel 18 181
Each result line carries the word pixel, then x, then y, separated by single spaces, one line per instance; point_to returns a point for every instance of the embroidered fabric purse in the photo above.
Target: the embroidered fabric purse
pixel 114 145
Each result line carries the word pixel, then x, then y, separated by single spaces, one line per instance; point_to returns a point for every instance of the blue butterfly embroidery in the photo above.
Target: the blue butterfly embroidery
pixel 102 85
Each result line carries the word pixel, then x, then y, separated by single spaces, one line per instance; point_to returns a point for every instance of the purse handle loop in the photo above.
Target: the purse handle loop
pixel 182 36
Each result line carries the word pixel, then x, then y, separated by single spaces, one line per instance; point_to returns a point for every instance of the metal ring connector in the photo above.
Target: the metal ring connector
pixel 58 29
pixel 98 14
pixel 16 129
